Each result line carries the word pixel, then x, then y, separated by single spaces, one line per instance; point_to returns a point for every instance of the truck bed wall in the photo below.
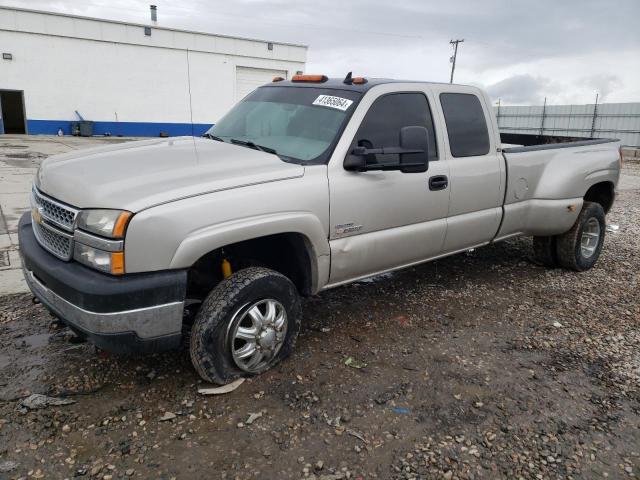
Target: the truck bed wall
pixel 546 187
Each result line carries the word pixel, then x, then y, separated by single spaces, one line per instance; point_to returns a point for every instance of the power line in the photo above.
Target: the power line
pixel 455 54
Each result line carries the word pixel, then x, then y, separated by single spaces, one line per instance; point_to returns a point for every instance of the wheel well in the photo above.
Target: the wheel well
pixel 287 253
pixel 602 193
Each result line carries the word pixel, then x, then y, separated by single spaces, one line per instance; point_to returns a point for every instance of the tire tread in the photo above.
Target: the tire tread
pixel 220 300
pixel 566 244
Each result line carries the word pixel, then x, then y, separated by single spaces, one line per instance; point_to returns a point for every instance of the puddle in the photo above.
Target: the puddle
pixel 34 341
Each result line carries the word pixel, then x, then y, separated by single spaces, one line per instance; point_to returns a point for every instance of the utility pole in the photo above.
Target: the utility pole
pixel 595 115
pixel 544 114
pixel 455 54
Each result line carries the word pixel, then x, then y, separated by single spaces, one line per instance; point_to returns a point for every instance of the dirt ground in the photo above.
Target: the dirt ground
pixel 481 365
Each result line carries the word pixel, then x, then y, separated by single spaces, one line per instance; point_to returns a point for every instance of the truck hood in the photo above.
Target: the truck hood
pixel 138 175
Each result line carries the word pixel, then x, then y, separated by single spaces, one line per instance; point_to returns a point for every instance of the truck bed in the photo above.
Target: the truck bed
pixel 527 143
pixel 547 177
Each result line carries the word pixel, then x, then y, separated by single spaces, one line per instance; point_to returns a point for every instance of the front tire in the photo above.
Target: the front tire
pixel 248 323
pixel 580 247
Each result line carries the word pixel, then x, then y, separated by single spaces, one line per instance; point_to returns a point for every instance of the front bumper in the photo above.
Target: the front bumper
pixel 128 314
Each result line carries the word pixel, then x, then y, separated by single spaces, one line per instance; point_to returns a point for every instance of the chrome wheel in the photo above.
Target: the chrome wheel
pixel 256 334
pixel 590 237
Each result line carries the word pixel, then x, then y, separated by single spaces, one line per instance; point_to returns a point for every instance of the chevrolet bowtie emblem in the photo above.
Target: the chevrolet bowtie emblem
pixel 36 215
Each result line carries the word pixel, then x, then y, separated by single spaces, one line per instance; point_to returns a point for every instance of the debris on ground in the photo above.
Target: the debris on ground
pixel 229 387
pixel 351 362
pixel 253 417
pixel 358 435
pixel 8 466
pixel 36 401
pixel 401 410
pixel 168 416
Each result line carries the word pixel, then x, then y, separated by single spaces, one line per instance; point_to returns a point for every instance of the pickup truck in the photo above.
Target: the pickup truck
pixel 306 184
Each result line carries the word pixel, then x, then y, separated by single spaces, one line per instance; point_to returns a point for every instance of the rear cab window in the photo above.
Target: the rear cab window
pixel 466 124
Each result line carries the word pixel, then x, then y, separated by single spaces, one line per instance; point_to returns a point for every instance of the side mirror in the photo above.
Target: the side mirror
pixel 415 142
pixel 355 163
pixel 413 152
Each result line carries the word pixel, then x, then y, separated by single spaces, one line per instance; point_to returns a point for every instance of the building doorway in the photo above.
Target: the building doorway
pixel 13 118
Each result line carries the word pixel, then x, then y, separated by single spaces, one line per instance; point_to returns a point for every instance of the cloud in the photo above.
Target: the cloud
pixel 520 89
pixel 575 47
pixel 603 84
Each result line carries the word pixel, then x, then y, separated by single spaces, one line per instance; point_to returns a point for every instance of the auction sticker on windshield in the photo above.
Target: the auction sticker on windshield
pixel 333 102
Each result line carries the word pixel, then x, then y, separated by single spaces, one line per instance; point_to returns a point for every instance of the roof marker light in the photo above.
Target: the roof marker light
pixel 277 79
pixel 309 78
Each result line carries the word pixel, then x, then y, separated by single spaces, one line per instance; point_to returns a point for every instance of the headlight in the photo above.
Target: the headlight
pixel 96 251
pixel 107 223
pixel 108 262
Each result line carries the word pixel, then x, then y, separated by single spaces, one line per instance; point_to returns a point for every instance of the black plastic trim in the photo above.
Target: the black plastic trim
pixel 128 343
pixel 551 146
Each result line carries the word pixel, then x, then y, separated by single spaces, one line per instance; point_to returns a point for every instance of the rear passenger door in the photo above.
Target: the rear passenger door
pixel 476 168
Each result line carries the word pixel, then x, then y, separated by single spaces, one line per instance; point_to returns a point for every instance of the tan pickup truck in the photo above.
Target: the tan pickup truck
pixel 304 185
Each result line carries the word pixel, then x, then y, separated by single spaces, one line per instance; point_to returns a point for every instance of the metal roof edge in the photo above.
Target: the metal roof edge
pixel 158 27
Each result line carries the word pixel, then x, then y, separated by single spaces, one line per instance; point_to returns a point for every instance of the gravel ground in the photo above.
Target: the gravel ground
pixel 475 366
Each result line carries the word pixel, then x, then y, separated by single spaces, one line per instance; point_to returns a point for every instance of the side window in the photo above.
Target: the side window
pixel 388 114
pixel 466 124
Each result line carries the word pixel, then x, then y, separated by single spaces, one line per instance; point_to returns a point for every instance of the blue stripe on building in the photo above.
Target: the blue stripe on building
pixel 123 129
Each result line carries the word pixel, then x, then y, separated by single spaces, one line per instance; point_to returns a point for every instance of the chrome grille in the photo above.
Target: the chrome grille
pixel 55 212
pixel 53 224
pixel 53 240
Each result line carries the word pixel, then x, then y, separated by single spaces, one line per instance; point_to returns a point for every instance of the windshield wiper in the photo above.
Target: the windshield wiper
pixel 255 146
pixel 212 137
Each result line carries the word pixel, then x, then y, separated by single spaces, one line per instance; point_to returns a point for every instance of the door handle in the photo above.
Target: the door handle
pixel 438 182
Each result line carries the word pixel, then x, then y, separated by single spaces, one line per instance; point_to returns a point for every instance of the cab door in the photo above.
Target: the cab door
pixel 476 168
pixel 381 220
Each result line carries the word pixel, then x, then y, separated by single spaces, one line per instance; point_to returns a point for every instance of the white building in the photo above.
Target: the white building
pixel 129 79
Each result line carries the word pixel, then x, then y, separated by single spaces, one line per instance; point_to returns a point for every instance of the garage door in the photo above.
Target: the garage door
pixel 249 78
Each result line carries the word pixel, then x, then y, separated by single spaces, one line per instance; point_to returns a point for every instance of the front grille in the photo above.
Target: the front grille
pixel 53 224
pixel 53 240
pixel 55 212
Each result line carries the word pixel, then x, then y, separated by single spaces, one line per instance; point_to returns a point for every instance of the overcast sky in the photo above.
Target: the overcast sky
pixel 521 51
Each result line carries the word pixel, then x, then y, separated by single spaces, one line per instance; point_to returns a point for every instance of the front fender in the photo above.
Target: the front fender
pixel 204 240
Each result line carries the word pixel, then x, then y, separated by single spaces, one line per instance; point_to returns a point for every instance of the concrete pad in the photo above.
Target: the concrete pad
pixel 12 282
pixel 11 277
pixel 15 180
pixel 5 241
pixel 10 259
pixel 13 206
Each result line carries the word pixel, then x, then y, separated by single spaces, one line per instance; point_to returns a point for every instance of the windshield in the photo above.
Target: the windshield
pixel 300 124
